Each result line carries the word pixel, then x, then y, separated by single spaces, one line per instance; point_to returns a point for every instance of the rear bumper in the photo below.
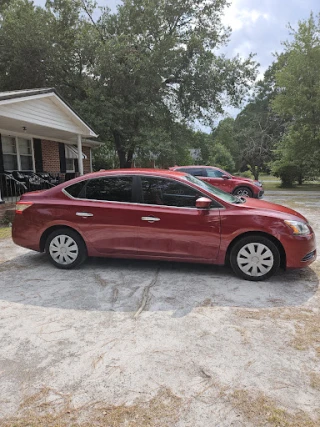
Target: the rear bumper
pixel 25 234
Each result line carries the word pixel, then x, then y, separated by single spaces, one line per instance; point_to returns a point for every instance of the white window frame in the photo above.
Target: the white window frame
pixel 70 170
pixel 17 153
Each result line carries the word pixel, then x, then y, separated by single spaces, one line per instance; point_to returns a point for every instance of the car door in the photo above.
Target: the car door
pixel 105 215
pixel 214 177
pixel 171 226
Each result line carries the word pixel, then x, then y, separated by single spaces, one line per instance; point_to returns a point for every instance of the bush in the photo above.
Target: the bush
pixel 245 174
pixel 222 158
pixel 288 173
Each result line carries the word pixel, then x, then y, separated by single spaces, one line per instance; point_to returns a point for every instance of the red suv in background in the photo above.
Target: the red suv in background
pixel 236 185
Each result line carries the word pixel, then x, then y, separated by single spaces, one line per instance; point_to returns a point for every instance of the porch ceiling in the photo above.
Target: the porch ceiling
pixel 16 127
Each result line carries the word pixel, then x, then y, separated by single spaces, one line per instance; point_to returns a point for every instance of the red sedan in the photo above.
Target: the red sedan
pixel 161 215
pixel 236 185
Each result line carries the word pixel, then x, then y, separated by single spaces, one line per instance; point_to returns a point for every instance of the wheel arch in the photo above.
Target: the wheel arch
pixel 243 186
pixel 49 230
pixel 283 259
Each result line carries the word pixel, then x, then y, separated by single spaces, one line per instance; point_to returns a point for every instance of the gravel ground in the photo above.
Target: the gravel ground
pixel 132 343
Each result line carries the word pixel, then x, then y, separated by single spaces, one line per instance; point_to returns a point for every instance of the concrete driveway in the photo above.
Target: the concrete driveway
pixel 132 343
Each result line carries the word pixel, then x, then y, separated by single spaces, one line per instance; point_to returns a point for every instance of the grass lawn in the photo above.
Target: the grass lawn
pixel 273 183
pixel 5 232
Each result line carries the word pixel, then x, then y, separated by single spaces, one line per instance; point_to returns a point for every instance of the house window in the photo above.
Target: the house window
pixel 25 151
pixel 70 165
pixel 17 153
pixel 9 150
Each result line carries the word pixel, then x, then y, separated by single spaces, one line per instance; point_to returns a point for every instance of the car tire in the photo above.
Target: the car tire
pixel 255 258
pixel 243 192
pixel 65 248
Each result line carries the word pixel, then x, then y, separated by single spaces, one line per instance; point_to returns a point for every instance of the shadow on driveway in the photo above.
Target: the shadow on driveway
pixel 125 285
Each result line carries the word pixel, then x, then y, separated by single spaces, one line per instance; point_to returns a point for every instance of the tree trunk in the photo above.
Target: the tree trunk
pixel 125 158
pixel 255 170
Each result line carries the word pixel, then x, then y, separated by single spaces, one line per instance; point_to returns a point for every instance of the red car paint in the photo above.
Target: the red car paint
pixel 182 234
pixel 225 181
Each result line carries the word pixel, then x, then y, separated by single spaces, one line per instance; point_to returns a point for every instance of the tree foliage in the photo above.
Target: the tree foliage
pixel 134 73
pixel 257 131
pixel 222 158
pixel 298 101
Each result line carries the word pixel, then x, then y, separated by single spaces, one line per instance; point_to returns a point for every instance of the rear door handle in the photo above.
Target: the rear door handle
pixel 84 214
pixel 150 219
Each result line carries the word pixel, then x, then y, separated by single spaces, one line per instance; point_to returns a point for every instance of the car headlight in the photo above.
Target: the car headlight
pixel 258 183
pixel 298 228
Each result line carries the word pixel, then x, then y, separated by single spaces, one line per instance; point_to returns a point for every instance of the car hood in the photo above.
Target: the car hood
pixel 263 205
pixel 245 179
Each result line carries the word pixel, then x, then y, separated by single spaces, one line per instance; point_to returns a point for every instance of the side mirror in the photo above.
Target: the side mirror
pixel 225 176
pixel 203 203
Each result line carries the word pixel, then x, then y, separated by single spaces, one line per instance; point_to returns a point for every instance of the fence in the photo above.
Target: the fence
pixel 14 184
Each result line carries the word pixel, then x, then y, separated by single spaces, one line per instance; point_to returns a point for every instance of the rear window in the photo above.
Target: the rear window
pixel 75 190
pixel 112 189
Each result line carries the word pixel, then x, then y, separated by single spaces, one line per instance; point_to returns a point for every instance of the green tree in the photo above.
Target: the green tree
pixel 157 62
pixel 221 157
pixel 26 55
pixel 258 129
pixel 298 100
pixel 163 148
pixel 224 135
pixel 132 73
pixel 202 143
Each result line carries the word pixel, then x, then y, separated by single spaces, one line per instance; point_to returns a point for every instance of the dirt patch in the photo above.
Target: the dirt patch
pixel 305 324
pixel 47 408
pixel 260 410
pixel 148 344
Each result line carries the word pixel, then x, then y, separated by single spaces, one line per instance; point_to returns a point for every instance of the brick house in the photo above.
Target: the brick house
pixel 40 132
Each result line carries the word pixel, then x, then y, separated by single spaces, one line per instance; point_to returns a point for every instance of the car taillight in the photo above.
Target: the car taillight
pixel 22 206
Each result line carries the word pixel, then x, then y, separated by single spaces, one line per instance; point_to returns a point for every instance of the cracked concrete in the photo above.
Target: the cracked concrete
pixel 116 330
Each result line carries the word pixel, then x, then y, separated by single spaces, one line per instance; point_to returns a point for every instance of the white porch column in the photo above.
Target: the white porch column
pixel 80 160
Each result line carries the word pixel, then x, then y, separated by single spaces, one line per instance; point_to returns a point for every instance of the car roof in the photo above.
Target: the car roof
pixel 132 171
pixel 195 166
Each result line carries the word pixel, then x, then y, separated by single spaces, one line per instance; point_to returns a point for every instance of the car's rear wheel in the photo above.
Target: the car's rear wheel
pixel 65 248
pixel 255 258
pixel 243 192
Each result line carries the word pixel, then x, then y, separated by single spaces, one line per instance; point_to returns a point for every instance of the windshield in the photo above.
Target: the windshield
pixel 213 190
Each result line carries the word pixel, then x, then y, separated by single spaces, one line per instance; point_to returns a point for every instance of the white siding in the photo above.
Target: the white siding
pixel 43 112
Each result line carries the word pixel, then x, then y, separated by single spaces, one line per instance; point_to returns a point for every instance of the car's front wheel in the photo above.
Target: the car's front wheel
pixel 255 258
pixel 65 248
pixel 243 192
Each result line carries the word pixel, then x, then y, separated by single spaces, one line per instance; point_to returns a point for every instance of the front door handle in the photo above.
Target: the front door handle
pixel 84 214
pixel 150 219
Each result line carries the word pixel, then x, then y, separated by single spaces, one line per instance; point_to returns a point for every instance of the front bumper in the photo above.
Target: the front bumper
pixel 301 251
pixel 258 195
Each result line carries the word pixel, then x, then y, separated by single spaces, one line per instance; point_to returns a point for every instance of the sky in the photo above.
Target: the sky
pixel 258 26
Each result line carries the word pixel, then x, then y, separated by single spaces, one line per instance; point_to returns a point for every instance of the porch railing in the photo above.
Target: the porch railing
pixel 14 184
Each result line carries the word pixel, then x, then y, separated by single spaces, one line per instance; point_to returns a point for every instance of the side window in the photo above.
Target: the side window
pixel 113 189
pixel 219 173
pixel 213 173
pixel 159 191
pixel 197 171
pixel 75 190
pixel 193 171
